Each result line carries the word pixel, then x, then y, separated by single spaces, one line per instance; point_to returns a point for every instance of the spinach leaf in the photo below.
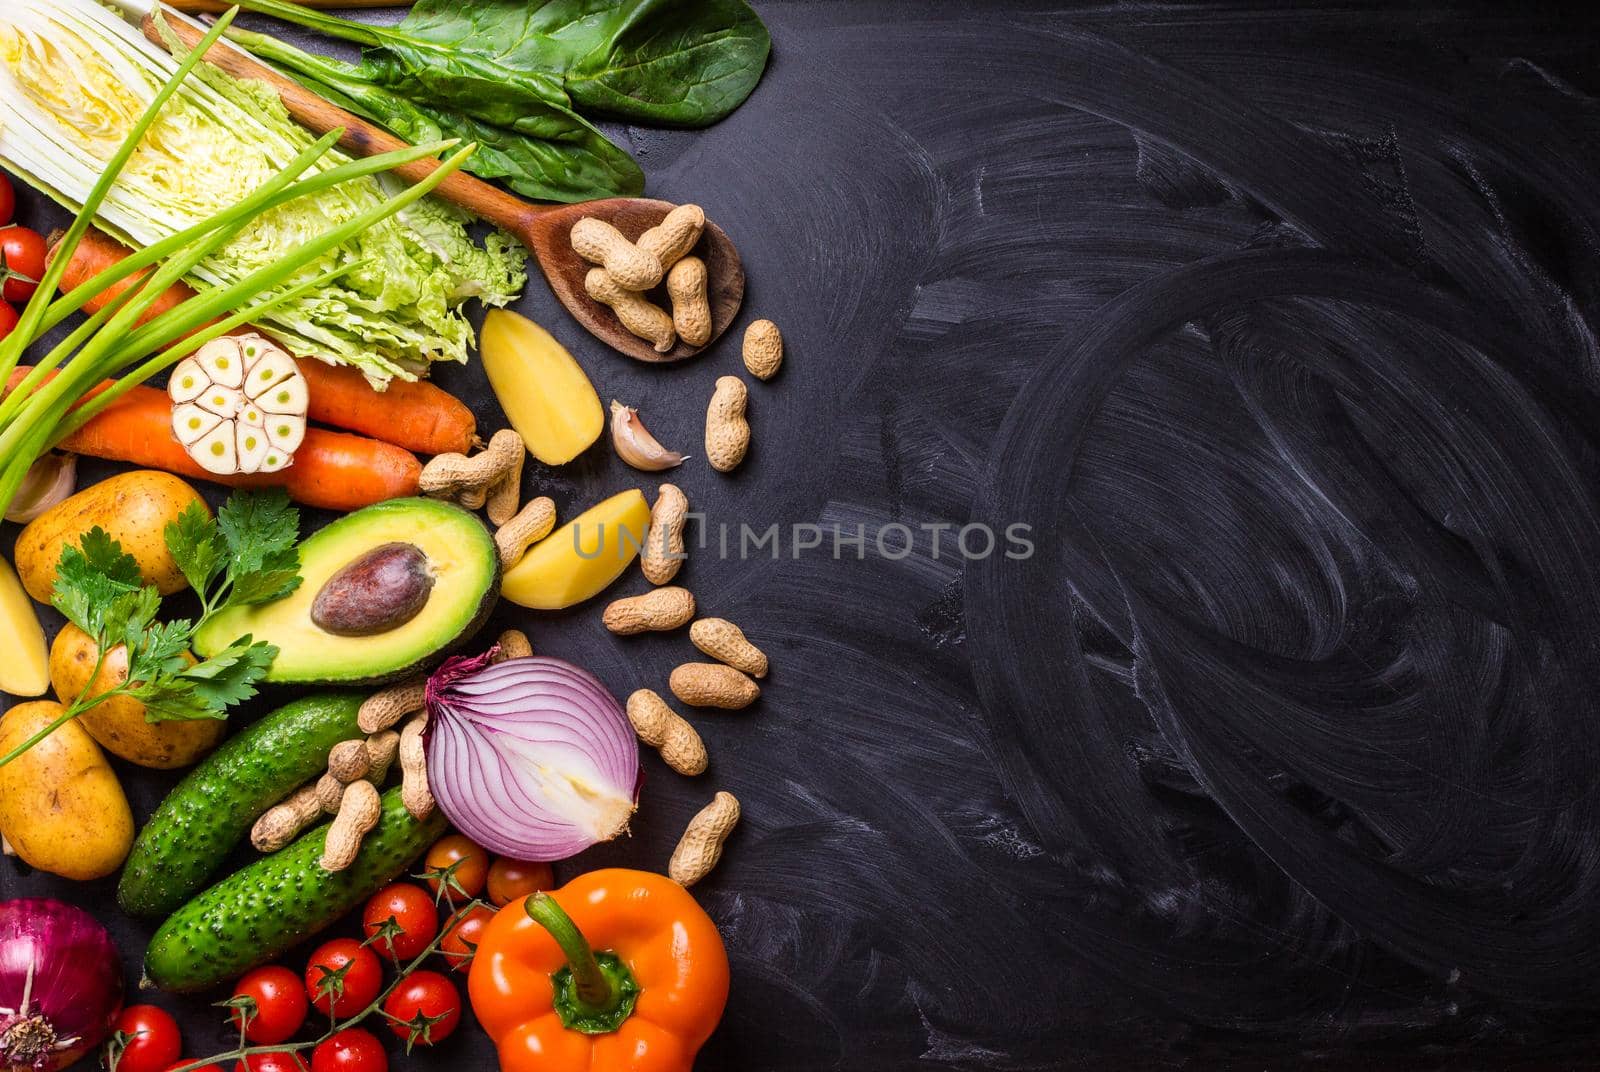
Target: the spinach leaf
pixel 527 135
pixel 657 61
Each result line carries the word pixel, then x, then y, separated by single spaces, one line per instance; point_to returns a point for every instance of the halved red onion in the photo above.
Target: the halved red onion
pixel 60 985
pixel 531 758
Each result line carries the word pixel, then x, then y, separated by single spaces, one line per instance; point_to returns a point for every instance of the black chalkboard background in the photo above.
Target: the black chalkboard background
pixel 1281 751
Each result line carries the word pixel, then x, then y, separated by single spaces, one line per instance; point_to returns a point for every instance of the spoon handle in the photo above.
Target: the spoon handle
pixel 361 138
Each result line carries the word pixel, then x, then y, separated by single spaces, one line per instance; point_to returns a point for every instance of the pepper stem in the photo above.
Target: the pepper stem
pixel 594 993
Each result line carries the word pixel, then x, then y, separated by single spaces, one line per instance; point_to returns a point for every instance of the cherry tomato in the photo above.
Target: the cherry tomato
pixel 8 200
pixel 271 1062
pixel 424 1009
pixel 8 320
pixel 513 880
pixel 461 943
pixel 182 1061
pixel 413 913
pixel 351 1050
pixel 359 973
pixel 23 250
pixel 280 998
pixel 153 1043
pixel 466 862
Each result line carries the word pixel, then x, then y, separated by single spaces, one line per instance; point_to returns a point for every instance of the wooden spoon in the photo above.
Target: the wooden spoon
pixel 543 229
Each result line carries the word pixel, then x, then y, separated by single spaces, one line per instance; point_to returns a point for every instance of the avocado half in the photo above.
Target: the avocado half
pixel 460 555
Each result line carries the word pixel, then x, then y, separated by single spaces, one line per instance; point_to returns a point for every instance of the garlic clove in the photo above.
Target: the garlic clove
pixel 222 362
pixel 275 460
pixel 50 480
pixel 188 381
pixel 634 443
pixel 216 452
pixel 289 396
pixel 190 422
pixel 252 447
pixel 272 369
pixel 248 414
pixel 286 433
pixel 223 401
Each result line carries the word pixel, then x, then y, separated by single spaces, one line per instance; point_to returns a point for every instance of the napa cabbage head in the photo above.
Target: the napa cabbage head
pixel 74 78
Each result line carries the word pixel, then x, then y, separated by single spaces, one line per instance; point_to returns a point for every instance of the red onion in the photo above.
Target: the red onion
pixel 531 758
pixel 60 984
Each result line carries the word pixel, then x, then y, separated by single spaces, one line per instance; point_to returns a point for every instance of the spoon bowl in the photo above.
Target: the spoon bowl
pixel 633 216
pixel 543 229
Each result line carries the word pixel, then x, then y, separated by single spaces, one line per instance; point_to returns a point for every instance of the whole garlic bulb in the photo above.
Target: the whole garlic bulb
pixel 239 406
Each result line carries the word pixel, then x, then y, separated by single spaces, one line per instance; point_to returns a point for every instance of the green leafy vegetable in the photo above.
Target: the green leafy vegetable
pixel 77 78
pixel 251 547
pixel 654 61
pixel 518 77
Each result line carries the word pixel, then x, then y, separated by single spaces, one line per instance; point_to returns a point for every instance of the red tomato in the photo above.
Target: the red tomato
pixel 466 863
pixel 23 252
pixel 182 1061
pixel 415 920
pixel 357 969
pixel 8 320
pixel 351 1050
pixel 461 943
pixel 280 999
pixel 424 1009
pixel 514 880
pixel 8 200
pixel 153 1043
pixel 271 1062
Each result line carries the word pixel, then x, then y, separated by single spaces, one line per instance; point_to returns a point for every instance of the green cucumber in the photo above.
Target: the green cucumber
pixel 211 811
pixel 271 905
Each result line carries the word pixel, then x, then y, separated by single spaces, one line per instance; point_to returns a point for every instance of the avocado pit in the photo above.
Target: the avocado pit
pixel 380 590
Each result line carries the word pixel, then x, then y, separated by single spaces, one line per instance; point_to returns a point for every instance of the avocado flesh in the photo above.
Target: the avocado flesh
pixel 466 568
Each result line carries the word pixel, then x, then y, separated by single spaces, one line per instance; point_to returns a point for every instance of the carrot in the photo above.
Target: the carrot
pixel 331 470
pixel 417 416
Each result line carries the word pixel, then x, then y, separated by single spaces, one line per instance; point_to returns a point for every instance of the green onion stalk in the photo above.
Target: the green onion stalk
pixel 48 404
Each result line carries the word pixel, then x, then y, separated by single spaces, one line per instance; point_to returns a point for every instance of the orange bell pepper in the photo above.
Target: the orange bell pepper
pixel 617 971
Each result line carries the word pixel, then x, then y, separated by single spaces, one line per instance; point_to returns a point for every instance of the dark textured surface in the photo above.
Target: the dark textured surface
pixel 1281 751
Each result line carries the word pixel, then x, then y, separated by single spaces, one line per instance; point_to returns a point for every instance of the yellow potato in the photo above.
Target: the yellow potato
pixel 24 670
pixel 579 560
pixel 546 396
pixel 61 807
pixel 133 507
pixel 119 724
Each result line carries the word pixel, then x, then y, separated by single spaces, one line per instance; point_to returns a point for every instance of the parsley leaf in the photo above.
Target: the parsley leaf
pixel 251 545
pixel 208 689
pixel 93 583
pixel 193 543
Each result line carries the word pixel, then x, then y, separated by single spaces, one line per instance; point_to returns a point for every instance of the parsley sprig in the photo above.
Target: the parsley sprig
pixel 247 555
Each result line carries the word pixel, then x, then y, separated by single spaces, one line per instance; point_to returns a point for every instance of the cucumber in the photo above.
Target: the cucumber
pixel 269 906
pixel 211 811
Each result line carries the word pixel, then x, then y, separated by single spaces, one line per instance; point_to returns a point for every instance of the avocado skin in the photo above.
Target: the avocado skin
pixel 386 522
pixel 271 905
pixel 210 812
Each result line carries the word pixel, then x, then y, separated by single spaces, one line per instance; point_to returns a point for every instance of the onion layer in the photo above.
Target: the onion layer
pixel 531 758
pixel 60 984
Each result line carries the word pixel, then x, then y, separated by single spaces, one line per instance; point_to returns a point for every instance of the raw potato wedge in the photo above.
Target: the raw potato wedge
pixel 119 724
pixel 24 664
pixel 546 396
pixel 61 806
pixel 134 508
pixel 580 560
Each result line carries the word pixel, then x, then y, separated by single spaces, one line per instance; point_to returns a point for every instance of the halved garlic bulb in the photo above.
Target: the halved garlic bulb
pixel 239 406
